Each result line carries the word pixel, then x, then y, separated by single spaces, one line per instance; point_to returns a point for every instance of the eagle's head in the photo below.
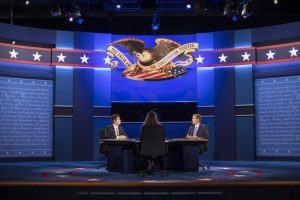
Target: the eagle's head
pixel 145 56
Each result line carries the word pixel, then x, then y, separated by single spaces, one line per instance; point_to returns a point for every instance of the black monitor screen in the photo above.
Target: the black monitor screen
pixel 171 111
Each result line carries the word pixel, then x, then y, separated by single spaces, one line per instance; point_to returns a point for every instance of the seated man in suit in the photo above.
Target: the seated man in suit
pixel 115 130
pixel 197 130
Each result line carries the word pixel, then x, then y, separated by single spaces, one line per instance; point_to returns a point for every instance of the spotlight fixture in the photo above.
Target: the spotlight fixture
pixel 79 20
pixel 230 8
pixel 118 4
pixel 74 12
pixel 26 2
pixel 55 9
pixel 234 18
pixel 188 4
pixel 275 2
pixel 247 10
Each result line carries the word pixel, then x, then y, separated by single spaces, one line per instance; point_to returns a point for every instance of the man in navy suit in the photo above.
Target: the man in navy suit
pixel 197 130
pixel 115 130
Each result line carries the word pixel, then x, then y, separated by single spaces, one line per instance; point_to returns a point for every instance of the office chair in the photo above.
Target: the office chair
pixel 152 146
pixel 203 148
pixel 103 149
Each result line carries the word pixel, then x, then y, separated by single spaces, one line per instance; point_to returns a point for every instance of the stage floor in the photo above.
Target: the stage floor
pixel 82 173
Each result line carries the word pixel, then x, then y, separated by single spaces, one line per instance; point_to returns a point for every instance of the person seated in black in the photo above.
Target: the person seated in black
pixel 197 130
pixel 115 130
pixel 152 121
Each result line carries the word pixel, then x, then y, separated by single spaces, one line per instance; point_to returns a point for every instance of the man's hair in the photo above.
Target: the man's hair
pixel 114 117
pixel 198 116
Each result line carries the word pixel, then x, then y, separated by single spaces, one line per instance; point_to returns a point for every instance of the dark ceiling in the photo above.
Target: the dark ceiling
pixel 136 16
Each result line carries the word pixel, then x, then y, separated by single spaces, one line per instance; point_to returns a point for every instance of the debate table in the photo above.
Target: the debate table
pixel 123 155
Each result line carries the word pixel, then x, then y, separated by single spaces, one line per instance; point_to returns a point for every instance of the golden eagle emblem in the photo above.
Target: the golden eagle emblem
pixel 152 63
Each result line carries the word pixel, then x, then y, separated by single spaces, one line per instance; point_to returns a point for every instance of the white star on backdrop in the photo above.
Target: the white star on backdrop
pixel 84 59
pixel 222 58
pixel 270 55
pixel 36 56
pixel 294 52
pixel 246 56
pixel 13 54
pixel 107 60
pixel 200 59
pixel 61 57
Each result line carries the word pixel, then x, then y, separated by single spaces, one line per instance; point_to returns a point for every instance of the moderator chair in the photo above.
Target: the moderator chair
pixel 153 147
pixel 203 148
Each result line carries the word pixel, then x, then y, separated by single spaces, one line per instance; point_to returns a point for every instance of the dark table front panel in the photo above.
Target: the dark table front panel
pixel 123 156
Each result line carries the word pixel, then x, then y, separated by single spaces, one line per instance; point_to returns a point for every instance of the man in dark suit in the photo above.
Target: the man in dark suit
pixel 197 130
pixel 115 130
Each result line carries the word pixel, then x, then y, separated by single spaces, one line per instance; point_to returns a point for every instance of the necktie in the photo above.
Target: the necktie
pixel 117 131
pixel 195 131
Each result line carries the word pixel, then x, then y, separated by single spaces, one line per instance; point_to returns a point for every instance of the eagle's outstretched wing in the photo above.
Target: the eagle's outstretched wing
pixel 131 45
pixel 165 46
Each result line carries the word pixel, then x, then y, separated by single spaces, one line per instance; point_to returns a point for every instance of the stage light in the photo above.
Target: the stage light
pixel 55 9
pixel 26 2
pixel 118 4
pixel 229 7
pixel 79 20
pixel 275 2
pixel 234 18
pixel 74 13
pixel 247 10
pixel 188 4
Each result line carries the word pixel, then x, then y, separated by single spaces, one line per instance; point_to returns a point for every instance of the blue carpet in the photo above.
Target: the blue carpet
pixel 227 171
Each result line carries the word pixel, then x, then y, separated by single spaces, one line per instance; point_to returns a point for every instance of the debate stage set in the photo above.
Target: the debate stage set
pixel 61 84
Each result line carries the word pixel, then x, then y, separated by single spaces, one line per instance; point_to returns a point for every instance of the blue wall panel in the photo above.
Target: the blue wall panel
pixel 102 98
pixel 243 38
pixel 102 87
pixel 224 102
pixel 243 85
pixel 64 75
pixel 205 86
pixel 63 135
pixel 101 41
pixel 64 40
pixel 84 40
pixel 205 40
pixel 64 86
pixel 245 138
pixel 27 33
pixel 223 39
pixel 225 114
pixel 270 33
pixel 63 139
pixel 83 114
